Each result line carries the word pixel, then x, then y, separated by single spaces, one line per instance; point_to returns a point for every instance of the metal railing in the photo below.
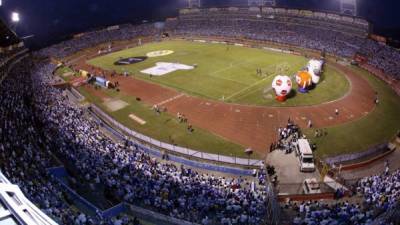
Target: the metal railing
pixel 173 148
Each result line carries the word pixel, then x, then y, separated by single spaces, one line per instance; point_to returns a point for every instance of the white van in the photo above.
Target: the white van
pixel 305 154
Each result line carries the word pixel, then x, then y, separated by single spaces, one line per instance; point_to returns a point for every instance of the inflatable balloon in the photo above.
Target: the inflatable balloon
pixel 282 86
pixel 314 67
pixel 304 81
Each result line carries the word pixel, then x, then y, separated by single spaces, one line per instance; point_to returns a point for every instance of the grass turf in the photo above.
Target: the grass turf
pixel 62 70
pixel 228 74
pixel 233 75
pixel 375 128
pixel 165 127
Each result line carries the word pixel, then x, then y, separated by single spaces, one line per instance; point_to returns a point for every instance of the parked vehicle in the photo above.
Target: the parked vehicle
pixel 305 154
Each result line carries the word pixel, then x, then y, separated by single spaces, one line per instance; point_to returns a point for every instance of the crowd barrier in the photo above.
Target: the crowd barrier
pixel 375 150
pixel 59 173
pixel 188 162
pixel 273 207
pixel 177 149
pixel 114 211
pixel 10 63
pixel 391 81
pixel 157 218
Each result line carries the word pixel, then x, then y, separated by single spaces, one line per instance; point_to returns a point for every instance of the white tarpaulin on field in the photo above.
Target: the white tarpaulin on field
pixel 163 68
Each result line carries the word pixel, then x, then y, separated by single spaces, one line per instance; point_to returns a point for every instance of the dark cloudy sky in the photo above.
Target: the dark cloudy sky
pixel 51 20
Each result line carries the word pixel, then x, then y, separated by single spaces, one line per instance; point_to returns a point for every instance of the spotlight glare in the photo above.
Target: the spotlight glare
pixel 15 17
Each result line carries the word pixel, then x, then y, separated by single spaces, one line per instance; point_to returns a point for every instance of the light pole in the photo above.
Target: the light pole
pixel 15 18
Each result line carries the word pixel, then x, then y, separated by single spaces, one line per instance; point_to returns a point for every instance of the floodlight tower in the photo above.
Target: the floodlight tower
pixel 194 3
pixel 261 2
pixel 15 19
pixel 348 7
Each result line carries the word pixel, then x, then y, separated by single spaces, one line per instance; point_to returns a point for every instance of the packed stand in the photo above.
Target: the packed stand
pixel 41 122
pixel 8 54
pixel 382 57
pixel 90 39
pixel 381 191
pixel 306 35
pixel 379 194
pixel 293 34
pixel 26 153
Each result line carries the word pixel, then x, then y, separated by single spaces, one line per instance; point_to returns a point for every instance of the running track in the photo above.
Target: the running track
pixel 250 126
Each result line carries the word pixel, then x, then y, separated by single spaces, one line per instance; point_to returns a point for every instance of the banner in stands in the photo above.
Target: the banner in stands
pixel 12 47
pixel 171 19
pixel 378 38
pixel 116 27
pixel 78 35
pixel 360 58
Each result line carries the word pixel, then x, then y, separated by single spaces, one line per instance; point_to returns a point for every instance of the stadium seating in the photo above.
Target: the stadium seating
pixel 39 123
pixel 340 38
pixel 90 39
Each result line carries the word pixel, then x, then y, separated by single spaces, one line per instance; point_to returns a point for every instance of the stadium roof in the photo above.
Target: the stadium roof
pixel 16 209
pixel 7 37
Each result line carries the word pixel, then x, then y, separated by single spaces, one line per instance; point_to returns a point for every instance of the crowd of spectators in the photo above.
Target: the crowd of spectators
pixel 339 41
pixel 8 54
pixel 3 57
pixel 287 138
pixel 374 196
pixel 41 122
pixel 312 36
pixel 135 177
pixel 293 34
pixel 90 39
pixel 23 152
pixel 382 57
pixel 26 152
pixel 381 191
pixel 38 122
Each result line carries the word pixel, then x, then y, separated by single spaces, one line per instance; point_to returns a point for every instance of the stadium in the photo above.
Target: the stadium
pixel 253 112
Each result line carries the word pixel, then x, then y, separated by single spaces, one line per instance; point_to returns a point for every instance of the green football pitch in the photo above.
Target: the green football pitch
pixel 231 74
pixel 227 73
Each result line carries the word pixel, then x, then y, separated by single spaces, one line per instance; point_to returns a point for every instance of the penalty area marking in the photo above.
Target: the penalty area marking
pixel 246 88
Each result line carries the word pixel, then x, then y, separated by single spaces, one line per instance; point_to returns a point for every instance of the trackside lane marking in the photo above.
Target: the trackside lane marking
pixel 170 99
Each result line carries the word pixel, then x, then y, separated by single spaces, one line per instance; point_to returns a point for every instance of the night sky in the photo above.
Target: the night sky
pixel 54 20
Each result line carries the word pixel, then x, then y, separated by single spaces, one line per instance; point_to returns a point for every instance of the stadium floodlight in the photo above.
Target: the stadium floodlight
pixel 15 17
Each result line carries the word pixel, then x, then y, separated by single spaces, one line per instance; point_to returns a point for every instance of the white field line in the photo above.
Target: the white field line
pixel 224 78
pixel 252 91
pixel 228 67
pixel 256 83
pixel 232 65
pixel 245 89
pixel 170 99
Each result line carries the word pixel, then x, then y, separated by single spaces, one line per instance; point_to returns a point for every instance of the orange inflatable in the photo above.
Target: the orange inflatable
pixel 304 80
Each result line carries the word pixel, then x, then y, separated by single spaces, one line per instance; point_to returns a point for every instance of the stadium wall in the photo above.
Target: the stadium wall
pixel 176 149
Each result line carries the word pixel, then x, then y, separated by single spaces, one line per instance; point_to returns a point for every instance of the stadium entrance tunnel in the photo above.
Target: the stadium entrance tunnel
pixel 130 60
